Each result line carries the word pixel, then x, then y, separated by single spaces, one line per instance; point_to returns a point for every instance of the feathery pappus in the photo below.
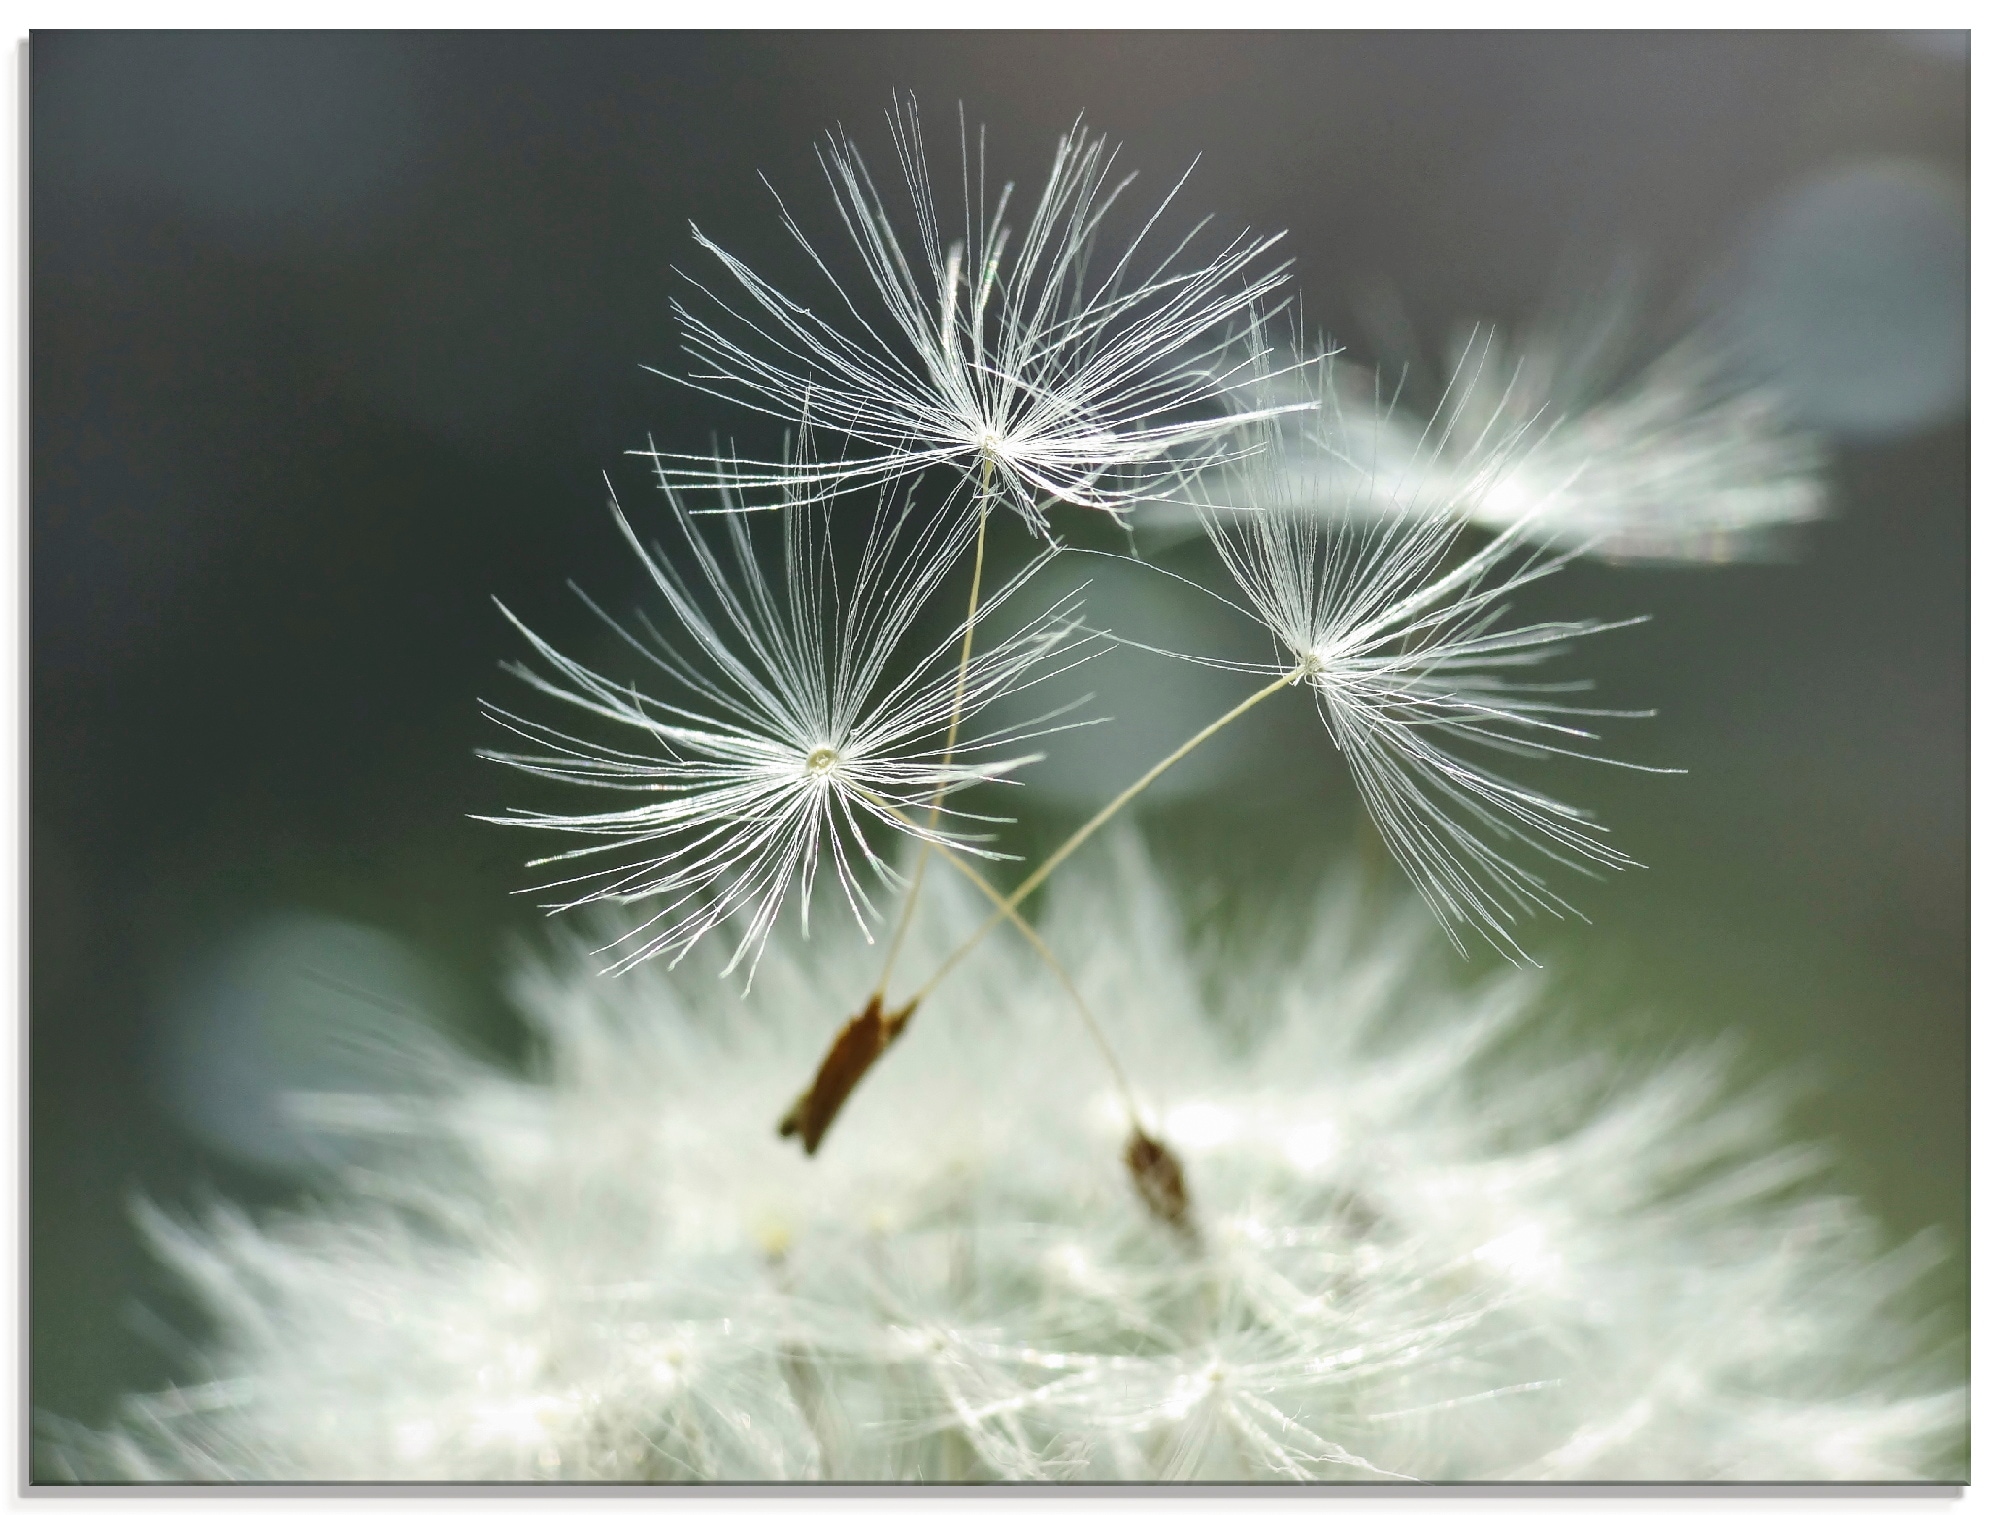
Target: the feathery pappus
pixel 1034 364
pixel 1682 457
pixel 1378 605
pixel 803 714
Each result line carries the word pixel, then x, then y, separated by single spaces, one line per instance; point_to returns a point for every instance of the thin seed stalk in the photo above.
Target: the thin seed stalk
pixel 1089 828
pixel 909 910
pixel 1042 950
pixel 1156 1171
pixel 865 1037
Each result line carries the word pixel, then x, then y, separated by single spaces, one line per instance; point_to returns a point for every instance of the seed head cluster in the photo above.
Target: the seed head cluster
pixel 973 362
pixel 1423 1244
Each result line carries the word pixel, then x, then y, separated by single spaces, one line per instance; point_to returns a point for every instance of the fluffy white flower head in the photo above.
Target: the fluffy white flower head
pixel 1018 362
pixel 1425 1247
pixel 792 729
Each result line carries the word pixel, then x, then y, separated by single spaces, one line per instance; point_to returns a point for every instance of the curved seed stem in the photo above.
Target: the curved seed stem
pixel 1089 828
pixel 867 1036
pixel 1033 938
pixel 862 1041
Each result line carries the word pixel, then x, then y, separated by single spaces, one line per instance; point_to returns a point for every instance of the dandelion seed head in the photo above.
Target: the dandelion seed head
pixel 791 717
pixel 1035 355
pixel 1430 1248
pixel 1396 623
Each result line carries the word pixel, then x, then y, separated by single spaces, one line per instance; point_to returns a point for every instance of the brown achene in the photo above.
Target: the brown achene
pixel 1156 1172
pixel 861 1041
pixel 1158 1176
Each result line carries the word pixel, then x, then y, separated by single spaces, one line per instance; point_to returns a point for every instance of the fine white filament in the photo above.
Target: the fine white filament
pixel 800 715
pixel 1073 378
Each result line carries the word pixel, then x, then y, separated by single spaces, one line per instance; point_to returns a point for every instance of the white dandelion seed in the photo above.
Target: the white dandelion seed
pixel 1684 457
pixel 1020 362
pixel 1681 459
pixel 1431 1246
pixel 1358 576
pixel 792 729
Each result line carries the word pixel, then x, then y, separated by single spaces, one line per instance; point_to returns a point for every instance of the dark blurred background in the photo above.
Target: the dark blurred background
pixel 332 336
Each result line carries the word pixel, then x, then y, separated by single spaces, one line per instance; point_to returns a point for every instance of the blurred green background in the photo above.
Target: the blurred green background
pixel 332 336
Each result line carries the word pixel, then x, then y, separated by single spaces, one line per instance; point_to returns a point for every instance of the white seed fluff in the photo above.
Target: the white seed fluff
pixel 1427 1247
pixel 798 715
pixel 1377 603
pixel 1023 361
pixel 1679 459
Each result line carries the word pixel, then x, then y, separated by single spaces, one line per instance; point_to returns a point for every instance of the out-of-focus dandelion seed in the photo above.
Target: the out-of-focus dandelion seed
pixel 1685 457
